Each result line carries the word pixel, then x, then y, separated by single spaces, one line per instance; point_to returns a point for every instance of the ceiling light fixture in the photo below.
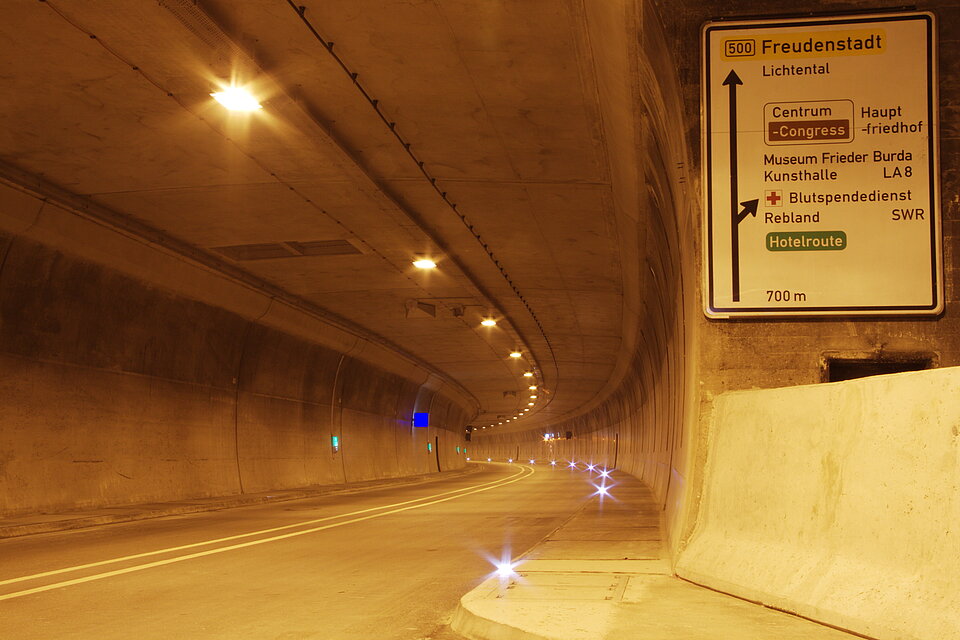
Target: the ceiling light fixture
pixel 236 99
pixel 529 404
pixel 532 387
pixel 528 374
pixel 488 322
pixel 424 263
pixel 516 354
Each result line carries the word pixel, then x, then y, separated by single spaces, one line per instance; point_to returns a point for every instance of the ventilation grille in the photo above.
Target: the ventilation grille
pixel 324 248
pixel 274 250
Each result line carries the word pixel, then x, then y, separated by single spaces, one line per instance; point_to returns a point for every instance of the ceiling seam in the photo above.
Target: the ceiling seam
pixel 127 225
pixel 392 126
pixel 236 51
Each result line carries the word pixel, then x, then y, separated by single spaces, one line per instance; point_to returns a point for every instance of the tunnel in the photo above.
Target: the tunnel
pixel 496 319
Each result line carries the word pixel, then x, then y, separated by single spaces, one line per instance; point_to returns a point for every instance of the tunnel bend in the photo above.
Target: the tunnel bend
pixel 139 368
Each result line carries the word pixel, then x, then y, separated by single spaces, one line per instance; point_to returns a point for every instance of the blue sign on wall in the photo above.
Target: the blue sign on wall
pixel 421 419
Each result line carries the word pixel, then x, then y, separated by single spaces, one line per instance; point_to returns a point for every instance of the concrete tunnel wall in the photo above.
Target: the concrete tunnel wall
pixel 643 425
pixel 118 391
pixel 659 424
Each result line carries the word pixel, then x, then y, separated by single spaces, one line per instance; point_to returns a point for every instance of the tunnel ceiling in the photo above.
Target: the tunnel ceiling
pixel 468 132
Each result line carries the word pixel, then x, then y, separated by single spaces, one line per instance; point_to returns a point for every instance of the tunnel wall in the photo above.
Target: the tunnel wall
pixel 642 426
pixel 656 423
pixel 115 390
pixel 744 354
pixel 839 502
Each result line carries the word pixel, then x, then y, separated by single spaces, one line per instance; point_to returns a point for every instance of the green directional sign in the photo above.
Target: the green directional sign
pixel 806 241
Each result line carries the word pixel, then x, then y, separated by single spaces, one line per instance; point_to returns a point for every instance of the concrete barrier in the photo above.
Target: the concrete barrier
pixel 839 502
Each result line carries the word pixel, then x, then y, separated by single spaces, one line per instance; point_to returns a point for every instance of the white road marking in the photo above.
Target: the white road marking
pixel 524 472
pixel 194 545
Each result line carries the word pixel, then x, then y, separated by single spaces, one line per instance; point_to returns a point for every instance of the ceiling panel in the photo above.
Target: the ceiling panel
pixel 496 99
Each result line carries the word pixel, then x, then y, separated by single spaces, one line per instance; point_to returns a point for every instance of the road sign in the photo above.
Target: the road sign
pixel 820 161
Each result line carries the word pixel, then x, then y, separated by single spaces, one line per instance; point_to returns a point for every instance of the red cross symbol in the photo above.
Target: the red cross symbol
pixel 773 198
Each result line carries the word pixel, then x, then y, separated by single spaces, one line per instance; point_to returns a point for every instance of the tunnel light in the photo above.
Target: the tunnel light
pixel 591 467
pixel 532 462
pixel 509 459
pixel 533 397
pixel 553 463
pixel 504 569
pixel 468 458
pixel 516 354
pixel 604 474
pixel 602 491
pixel 488 322
pixel 527 374
pixel 530 404
pixel 532 387
pixel 236 99
pixel 488 459
pixel 573 464
pixel 424 263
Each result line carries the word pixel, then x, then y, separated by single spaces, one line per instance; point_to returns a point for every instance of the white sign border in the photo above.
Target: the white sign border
pixel 936 234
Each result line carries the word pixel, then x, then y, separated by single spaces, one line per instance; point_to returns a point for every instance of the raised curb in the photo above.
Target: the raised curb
pixel 474 626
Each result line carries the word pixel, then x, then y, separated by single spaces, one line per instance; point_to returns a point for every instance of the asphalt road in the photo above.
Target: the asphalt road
pixel 384 564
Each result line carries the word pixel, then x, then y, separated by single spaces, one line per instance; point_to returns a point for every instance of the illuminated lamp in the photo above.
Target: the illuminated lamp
pixel 236 99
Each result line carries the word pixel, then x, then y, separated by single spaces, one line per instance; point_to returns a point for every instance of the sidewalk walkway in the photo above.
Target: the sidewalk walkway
pixel 12 527
pixel 603 576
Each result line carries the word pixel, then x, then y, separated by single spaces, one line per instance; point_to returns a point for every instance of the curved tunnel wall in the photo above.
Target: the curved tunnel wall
pixel 641 426
pixel 830 500
pixel 116 391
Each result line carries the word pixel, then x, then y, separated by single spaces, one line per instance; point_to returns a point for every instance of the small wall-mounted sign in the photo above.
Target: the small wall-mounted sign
pixel 335 443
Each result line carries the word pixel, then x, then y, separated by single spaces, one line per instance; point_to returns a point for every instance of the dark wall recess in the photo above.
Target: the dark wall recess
pixel 837 367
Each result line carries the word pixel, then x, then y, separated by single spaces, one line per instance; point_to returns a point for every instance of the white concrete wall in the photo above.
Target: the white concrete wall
pixel 839 502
